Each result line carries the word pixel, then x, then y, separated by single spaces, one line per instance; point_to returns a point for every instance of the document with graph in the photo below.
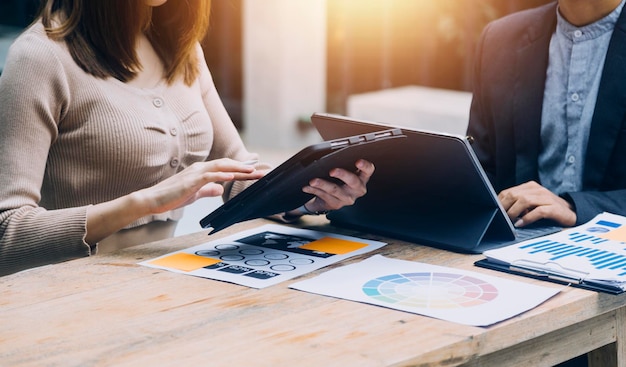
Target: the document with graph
pixel 263 256
pixel 591 256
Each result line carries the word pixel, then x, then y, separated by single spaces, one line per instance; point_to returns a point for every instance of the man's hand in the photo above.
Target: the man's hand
pixel 331 196
pixel 530 202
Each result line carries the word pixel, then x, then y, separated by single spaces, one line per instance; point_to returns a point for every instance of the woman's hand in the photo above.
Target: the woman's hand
pixel 199 180
pixel 530 202
pixel 331 196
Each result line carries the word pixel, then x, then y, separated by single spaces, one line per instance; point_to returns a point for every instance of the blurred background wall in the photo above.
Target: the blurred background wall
pixel 276 61
pixel 383 44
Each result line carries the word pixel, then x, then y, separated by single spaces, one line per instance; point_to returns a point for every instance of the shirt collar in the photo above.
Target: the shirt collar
pixel 590 31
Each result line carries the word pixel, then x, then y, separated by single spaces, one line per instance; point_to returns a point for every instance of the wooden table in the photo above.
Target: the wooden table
pixel 108 311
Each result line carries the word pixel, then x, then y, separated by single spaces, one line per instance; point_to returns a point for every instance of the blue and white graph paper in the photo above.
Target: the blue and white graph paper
pixel 594 250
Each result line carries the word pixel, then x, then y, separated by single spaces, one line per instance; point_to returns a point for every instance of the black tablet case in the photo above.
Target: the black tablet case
pixel 281 189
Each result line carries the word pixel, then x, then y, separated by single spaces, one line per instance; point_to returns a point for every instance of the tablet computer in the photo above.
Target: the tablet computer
pixel 281 189
pixel 432 190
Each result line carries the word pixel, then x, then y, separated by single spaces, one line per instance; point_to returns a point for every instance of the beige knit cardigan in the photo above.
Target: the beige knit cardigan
pixel 69 140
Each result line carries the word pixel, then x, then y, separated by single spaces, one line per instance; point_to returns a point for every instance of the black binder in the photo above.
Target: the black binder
pixel 281 189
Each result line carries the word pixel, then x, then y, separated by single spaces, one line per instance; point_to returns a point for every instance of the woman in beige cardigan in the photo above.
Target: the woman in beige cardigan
pixel 110 123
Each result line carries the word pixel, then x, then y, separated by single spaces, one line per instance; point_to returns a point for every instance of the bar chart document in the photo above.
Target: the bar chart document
pixel 592 255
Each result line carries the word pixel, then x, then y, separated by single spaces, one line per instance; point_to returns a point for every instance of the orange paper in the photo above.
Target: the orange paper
pixel 618 234
pixel 185 262
pixel 332 245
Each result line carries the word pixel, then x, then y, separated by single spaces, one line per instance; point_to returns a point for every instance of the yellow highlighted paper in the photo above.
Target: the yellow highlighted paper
pixel 332 245
pixel 185 262
pixel 618 234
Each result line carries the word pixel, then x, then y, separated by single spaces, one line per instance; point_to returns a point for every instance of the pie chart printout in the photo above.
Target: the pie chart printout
pixel 431 290
pixel 457 295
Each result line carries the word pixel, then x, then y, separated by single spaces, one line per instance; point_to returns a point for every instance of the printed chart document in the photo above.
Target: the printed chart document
pixel 591 256
pixel 450 294
pixel 264 256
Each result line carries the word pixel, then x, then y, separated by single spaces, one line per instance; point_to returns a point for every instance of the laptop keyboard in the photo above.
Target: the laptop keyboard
pixel 523 234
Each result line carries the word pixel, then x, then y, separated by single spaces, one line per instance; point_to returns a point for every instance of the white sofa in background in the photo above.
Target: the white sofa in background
pixel 419 107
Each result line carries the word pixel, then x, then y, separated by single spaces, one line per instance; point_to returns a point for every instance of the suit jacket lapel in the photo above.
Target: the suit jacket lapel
pixel 609 110
pixel 532 63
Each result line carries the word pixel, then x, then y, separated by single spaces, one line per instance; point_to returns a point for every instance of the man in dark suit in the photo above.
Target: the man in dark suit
pixel 548 116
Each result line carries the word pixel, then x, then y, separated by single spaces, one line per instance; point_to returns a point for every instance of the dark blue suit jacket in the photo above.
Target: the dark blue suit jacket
pixel 505 118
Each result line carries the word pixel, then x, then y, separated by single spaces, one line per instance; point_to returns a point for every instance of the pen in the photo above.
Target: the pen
pixel 608 286
pixel 561 277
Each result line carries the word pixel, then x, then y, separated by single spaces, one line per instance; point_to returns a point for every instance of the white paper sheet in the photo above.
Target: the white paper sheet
pixel 264 256
pixel 450 294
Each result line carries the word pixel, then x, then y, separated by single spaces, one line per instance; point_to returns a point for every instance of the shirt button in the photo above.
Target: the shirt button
pixel 578 33
pixel 157 102
pixel 173 131
pixel 575 97
pixel 571 159
pixel 174 162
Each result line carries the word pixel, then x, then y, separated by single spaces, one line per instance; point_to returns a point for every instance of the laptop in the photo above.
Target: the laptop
pixel 281 189
pixel 430 190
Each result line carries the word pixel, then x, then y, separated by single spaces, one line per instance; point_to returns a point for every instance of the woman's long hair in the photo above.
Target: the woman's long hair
pixel 101 34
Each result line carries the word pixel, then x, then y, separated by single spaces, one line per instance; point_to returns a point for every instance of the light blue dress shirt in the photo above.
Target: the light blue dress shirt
pixel 573 77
